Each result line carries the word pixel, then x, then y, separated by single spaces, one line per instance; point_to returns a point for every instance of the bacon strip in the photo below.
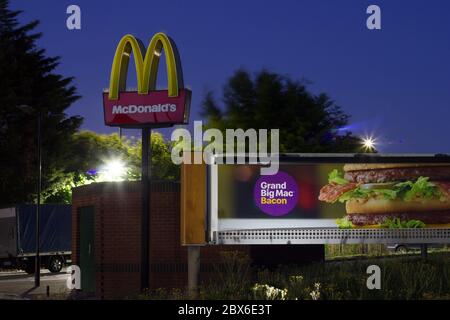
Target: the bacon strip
pixel 332 191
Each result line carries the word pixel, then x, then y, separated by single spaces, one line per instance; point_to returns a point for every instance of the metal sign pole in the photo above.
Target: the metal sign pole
pixel 37 266
pixel 145 211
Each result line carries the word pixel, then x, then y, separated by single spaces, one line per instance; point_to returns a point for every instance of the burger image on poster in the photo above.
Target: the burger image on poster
pixel 276 195
pixel 391 195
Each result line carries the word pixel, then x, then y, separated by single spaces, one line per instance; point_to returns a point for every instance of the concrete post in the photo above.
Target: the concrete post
pixel 193 270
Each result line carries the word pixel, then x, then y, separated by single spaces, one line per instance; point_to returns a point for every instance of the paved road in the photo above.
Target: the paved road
pixel 20 285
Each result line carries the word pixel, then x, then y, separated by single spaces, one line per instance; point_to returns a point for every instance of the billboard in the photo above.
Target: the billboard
pixel 331 199
pixel 146 106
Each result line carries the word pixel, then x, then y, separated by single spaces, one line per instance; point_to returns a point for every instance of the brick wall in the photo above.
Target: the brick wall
pixel 117 238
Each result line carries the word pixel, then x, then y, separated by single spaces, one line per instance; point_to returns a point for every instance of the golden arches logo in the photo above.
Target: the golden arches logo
pixel 147 106
pixel 146 63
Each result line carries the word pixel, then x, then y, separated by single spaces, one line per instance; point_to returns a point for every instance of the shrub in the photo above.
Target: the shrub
pixel 402 277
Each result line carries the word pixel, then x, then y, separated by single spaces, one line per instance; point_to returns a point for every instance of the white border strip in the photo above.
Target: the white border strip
pixel 274 223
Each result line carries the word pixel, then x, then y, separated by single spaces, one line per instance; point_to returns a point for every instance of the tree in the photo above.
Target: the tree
pixel 90 152
pixel 307 122
pixel 28 78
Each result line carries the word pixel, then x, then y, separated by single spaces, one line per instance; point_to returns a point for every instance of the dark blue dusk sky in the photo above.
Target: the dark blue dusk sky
pixel 394 82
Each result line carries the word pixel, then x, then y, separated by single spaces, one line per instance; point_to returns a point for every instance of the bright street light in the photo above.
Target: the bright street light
pixel 368 143
pixel 114 170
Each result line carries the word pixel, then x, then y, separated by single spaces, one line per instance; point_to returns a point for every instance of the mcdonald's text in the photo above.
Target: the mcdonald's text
pixel 133 109
pixel 144 109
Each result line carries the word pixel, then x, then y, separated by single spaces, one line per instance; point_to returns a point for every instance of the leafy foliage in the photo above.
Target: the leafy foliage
pixel 336 177
pixel 396 223
pixel 29 82
pixel 344 223
pixel 307 122
pixel 408 190
pixel 90 151
pixel 403 277
pixel 421 188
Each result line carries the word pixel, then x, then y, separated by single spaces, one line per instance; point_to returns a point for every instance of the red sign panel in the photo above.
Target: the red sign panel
pixel 156 108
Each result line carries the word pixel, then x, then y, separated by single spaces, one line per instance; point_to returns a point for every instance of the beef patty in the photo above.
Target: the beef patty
pixel 398 174
pixel 429 217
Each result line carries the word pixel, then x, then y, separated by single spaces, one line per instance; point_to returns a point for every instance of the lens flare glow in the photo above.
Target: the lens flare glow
pixel 114 170
pixel 368 143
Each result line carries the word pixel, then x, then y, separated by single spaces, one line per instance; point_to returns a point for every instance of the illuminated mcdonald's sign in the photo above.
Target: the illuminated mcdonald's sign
pixel 146 106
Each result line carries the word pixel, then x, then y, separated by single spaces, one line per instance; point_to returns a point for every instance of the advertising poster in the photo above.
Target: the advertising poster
pixel 381 195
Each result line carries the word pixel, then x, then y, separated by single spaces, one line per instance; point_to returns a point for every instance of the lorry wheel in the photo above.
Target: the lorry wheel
pixel 401 249
pixel 55 264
